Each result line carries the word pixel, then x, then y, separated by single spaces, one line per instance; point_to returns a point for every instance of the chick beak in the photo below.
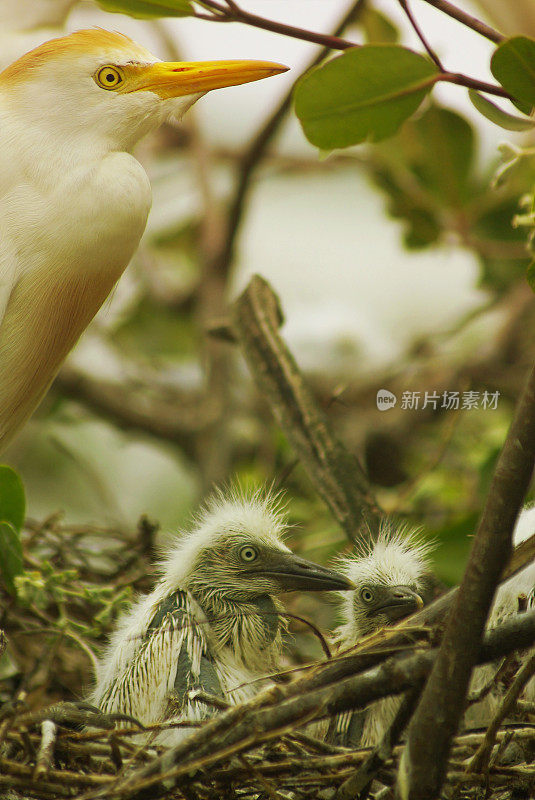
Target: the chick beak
pixel 293 573
pixel 400 603
pixel 180 78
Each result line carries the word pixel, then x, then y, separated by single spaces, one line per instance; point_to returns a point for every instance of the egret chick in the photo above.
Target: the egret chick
pixel 212 621
pixel 73 200
pixel 391 582
pixel 514 594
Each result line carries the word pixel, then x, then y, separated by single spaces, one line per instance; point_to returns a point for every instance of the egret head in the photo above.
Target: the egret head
pixel 101 82
pixel 389 578
pixel 235 550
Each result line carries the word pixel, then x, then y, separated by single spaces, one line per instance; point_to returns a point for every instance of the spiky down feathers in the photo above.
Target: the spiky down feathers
pixel 399 557
pixel 227 639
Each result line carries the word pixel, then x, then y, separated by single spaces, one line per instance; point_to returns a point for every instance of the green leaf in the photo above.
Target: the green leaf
pixel 12 499
pixel 146 9
pixel 440 145
pixel 422 228
pixel 495 114
pixel 10 555
pixel 377 27
pixel 513 65
pixel 364 94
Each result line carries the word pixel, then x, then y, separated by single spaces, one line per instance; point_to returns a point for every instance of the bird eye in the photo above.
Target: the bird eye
pixel 366 594
pixel 248 553
pixel 108 77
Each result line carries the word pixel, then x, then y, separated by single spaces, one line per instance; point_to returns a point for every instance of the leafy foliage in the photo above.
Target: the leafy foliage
pixel 377 27
pixel 10 555
pixel 497 115
pixel 12 498
pixel 364 94
pixel 513 65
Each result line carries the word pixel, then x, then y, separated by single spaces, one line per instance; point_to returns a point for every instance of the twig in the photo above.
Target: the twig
pixel 275 712
pixel 231 12
pixel 423 765
pixel 45 753
pixel 315 630
pixel 502 670
pixel 335 473
pixel 482 755
pixel 467 19
pixel 430 52
pixel 137 409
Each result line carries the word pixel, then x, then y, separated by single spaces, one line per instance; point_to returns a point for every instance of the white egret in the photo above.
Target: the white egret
pixel 73 200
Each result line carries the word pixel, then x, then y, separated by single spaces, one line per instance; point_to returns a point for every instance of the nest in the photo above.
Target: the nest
pixel 260 749
pixel 46 755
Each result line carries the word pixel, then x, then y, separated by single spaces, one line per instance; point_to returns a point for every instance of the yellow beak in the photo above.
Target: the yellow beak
pixel 180 78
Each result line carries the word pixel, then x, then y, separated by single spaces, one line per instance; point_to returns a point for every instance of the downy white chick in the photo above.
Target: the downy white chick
pixel 506 604
pixel 212 621
pixel 391 581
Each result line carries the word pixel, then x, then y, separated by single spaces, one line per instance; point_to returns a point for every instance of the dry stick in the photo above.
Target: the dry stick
pixel 423 764
pixel 334 471
pixel 482 755
pixel 254 723
pixel 45 753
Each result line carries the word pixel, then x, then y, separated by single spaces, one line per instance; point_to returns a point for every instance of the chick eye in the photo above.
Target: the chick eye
pixel 366 594
pixel 248 553
pixel 108 77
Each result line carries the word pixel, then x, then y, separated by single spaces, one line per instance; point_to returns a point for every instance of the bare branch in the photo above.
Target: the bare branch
pixel 335 473
pixel 423 765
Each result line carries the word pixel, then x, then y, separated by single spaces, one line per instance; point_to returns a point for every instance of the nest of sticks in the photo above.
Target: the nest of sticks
pixel 52 746
pixel 261 749
pixel 251 751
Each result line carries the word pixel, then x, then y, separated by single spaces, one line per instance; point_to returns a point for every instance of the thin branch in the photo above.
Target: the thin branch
pixel 424 761
pixel 472 83
pixel 419 33
pixel 467 19
pixel 146 411
pixel 233 13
